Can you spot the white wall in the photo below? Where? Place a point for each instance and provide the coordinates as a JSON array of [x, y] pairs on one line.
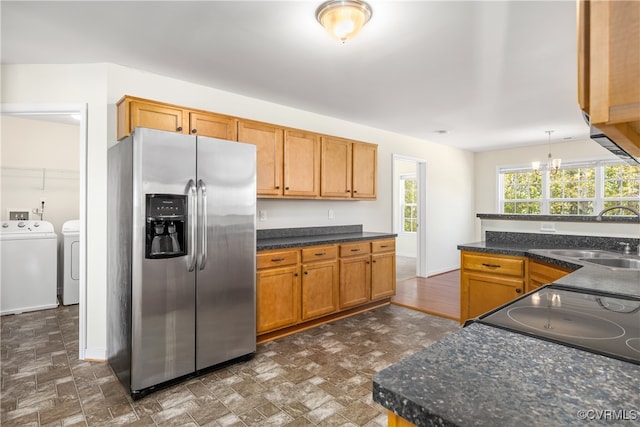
[[40, 159], [450, 171], [487, 164]]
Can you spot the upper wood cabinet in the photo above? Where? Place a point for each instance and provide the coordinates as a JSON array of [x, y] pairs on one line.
[[291, 163], [133, 112], [609, 68], [365, 170], [212, 125], [301, 164], [336, 178], [269, 142], [349, 169]]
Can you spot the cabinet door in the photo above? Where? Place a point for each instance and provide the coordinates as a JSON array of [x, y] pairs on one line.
[[365, 170], [269, 151], [277, 298], [608, 59], [540, 274], [301, 164], [480, 294], [355, 280], [319, 289], [212, 125], [157, 116], [383, 275], [335, 173]]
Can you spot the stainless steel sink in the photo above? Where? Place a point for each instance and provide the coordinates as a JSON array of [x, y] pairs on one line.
[[626, 263], [579, 253]]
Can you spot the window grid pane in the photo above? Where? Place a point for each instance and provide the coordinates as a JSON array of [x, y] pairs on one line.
[[574, 190]]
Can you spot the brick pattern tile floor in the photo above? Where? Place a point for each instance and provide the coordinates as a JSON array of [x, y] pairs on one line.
[[320, 377]]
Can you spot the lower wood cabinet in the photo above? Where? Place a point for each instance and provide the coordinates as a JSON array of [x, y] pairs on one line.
[[277, 290], [383, 268], [488, 281], [355, 274], [485, 293], [319, 281], [297, 288], [541, 273]]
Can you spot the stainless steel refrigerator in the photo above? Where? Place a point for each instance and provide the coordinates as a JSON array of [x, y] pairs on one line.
[[181, 256]]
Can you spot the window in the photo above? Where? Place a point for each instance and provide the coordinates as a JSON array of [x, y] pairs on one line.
[[408, 203], [576, 189]]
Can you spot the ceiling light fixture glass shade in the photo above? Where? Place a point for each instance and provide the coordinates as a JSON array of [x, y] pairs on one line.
[[553, 165], [343, 19]]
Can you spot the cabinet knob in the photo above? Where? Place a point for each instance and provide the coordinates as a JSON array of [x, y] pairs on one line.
[[286, 188], [373, 260], [518, 290], [179, 129], [355, 191], [295, 274], [277, 187], [348, 191], [306, 272], [194, 130]]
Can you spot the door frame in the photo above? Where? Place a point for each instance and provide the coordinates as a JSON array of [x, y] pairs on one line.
[[81, 110], [421, 176]]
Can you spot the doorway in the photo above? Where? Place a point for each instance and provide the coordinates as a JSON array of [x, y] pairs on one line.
[[61, 113], [409, 185]]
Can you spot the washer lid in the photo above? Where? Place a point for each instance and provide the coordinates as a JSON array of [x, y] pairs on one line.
[[26, 228], [71, 226]]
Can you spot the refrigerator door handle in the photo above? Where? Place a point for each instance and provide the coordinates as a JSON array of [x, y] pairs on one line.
[[193, 208], [202, 212]]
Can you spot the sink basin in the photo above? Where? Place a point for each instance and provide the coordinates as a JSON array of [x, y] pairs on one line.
[[578, 253], [628, 263]]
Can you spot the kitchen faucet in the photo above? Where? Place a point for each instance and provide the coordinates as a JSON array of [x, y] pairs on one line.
[[603, 211]]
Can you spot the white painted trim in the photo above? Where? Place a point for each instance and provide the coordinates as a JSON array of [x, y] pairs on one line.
[[81, 109], [421, 175]]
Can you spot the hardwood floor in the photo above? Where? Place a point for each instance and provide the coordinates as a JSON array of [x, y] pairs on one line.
[[438, 295]]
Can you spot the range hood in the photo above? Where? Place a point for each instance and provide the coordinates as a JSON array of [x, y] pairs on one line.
[[606, 142]]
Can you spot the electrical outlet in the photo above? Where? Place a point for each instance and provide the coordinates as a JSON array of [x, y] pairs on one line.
[[262, 215], [330, 214]]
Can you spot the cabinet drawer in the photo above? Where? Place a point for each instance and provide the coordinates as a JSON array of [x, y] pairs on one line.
[[494, 265], [319, 253], [276, 259], [351, 249], [388, 245]]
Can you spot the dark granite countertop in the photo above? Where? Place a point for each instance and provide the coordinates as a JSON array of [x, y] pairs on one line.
[[585, 275], [310, 236], [623, 219], [483, 375]]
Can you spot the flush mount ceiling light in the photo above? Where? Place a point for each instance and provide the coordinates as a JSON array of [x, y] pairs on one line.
[[343, 19]]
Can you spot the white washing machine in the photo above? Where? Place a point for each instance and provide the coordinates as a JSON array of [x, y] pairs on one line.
[[69, 263], [29, 266]]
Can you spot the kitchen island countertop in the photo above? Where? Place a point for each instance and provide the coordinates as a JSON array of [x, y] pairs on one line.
[[483, 375]]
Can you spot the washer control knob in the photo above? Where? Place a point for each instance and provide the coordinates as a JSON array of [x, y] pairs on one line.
[[36, 224], [5, 225], [21, 224]]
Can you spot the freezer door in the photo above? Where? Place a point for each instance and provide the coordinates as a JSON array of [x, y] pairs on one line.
[[226, 322], [163, 289]]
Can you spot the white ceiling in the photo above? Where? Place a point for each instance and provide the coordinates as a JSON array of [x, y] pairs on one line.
[[494, 74]]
